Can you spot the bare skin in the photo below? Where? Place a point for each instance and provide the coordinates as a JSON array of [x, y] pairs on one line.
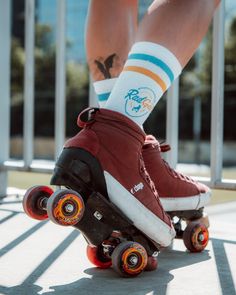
[[111, 30], [177, 25]]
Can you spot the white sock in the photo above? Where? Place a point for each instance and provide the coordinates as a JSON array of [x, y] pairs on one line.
[[103, 90], [148, 73]]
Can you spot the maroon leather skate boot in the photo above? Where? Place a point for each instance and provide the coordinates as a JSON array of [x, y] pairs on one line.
[[112, 145], [177, 192]]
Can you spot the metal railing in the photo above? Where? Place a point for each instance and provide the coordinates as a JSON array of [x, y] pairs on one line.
[[29, 164], [5, 33]]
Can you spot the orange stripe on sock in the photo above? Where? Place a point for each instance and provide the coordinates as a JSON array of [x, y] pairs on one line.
[[148, 73]]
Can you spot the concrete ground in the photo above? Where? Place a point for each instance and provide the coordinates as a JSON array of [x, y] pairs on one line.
[[43, 258]]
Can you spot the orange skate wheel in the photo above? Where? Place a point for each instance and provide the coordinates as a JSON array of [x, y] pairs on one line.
[[196, 236], [65, 207], [129, 259], [97, 257], [152, 263], [35, 201]]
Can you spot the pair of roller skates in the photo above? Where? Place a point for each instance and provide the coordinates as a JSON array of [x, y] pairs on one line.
[[110, 198]]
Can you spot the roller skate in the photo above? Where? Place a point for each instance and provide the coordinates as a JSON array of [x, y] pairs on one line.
[[182, 197], [109, 195]]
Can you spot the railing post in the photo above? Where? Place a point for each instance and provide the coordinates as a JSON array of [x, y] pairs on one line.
[[172, 124], [217, 104], [5, 48], [60, 111], [29, 82], [197, 128]]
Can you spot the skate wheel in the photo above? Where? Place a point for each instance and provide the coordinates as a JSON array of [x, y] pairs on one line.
[[196, 236], [35, 200], [65, 207], [129, 259], [152, 263], [96, 256]]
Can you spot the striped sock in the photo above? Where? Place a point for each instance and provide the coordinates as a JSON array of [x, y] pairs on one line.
[[103, 89], [148, 73]]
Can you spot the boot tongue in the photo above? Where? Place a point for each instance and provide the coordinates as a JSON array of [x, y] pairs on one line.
[[112, 118]]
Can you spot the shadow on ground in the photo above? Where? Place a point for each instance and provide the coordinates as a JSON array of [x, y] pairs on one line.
[[107, 281]]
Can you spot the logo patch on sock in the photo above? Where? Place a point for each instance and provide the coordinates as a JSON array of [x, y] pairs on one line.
[[139, 101]]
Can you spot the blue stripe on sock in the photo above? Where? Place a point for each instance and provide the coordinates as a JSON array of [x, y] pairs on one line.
[[103, 96], [158, 62]]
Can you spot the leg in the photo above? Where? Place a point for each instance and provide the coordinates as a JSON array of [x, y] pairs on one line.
[[166, 39], [177, 25], [111, 28]]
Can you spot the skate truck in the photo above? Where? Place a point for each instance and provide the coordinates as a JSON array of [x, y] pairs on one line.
[[113, 240]]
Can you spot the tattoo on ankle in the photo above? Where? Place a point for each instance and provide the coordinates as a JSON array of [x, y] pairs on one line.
[[104, 67]]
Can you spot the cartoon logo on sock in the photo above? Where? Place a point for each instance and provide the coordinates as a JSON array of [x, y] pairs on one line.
[[139, 101]]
